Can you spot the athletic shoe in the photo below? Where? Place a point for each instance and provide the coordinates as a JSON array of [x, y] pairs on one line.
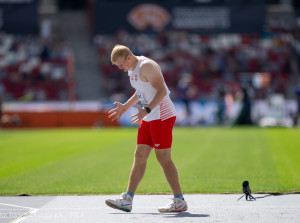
[[123, 204], [178, 205]]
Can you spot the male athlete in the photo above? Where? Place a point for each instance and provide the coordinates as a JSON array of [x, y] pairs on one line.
[[156, 117]]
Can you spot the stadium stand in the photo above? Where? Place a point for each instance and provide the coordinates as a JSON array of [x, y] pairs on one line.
[[33, 68], [214, 61]]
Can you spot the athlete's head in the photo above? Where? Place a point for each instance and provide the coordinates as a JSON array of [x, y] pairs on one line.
[[122, 57]]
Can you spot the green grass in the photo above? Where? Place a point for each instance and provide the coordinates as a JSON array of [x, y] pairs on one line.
[[98, 161]]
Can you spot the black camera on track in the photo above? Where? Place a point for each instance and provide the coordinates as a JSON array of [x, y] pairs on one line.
[[247, 191]]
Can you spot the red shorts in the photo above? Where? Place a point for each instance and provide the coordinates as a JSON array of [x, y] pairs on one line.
[[156, 133]]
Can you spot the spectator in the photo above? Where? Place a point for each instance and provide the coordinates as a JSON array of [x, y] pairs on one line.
[[186, 92], [221, 107], [244, 116]]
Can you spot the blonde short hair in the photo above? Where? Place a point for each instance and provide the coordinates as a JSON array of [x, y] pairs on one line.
[[119, 51]]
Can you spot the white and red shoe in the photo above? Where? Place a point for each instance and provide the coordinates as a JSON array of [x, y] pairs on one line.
[[178, 205]]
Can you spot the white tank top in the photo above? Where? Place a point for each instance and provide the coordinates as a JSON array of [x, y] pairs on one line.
[[146, 93]]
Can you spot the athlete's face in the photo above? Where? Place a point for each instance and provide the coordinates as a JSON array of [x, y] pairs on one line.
[[122, 64]]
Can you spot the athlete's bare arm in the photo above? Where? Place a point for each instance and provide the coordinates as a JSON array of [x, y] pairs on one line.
[[132, 101], [150, 72], [116, 113]]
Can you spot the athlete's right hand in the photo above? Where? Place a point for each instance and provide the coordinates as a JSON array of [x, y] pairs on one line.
[[116, 113]]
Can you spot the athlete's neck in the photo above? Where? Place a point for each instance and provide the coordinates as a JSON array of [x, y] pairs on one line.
[[135, 61]]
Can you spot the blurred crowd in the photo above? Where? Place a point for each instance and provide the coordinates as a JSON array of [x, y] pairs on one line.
[[201, 66], [194, 66], [33, 68]]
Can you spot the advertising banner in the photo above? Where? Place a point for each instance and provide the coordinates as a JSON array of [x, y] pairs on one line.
[[192, 17]]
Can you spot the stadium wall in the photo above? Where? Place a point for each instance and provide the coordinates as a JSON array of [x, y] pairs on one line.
[[56, 114], [93, 113], [60, 119]]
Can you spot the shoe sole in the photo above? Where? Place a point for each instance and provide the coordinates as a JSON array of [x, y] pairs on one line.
[[116, 207]]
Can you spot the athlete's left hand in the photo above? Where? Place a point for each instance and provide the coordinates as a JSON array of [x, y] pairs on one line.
[[135, 119]]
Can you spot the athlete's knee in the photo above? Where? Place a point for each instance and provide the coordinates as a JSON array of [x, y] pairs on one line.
[[140, 155], [163, 160]]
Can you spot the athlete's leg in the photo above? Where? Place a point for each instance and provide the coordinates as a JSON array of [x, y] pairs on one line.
[[143, 149], [141, 155], [179, 204], [164, 158]]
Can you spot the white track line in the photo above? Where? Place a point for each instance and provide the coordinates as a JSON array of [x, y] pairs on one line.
[[23, 216]]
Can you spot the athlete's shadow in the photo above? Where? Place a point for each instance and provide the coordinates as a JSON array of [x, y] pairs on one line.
[[185, 215], [171, 215]]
